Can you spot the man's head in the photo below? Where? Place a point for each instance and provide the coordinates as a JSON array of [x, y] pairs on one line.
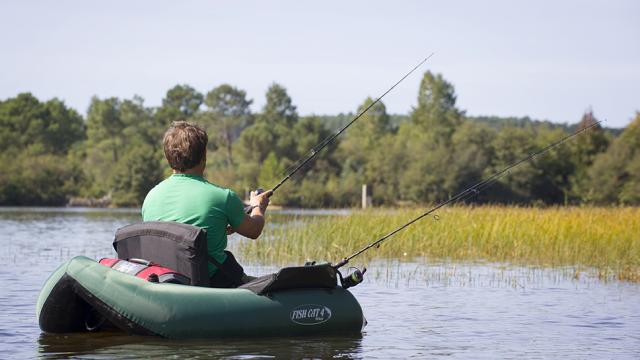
[[185, 145]]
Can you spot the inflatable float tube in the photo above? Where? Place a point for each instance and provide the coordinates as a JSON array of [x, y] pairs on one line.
[[82, 290]]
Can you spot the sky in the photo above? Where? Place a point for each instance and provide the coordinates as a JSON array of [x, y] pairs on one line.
[[549, 60]]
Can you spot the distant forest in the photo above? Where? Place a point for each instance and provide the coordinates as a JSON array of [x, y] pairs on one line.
[[112, 156]]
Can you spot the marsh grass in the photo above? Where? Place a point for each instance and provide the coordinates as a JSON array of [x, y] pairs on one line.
[[604, 239]]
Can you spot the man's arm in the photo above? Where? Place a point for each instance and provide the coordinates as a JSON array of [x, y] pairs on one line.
[[253, 223]]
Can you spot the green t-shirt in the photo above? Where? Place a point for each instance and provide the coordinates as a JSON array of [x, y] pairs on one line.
[[191, 199]]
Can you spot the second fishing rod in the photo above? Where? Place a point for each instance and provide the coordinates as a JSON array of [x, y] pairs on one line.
[[469, 192]]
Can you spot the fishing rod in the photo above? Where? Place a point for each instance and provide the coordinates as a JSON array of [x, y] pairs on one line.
[[466, 193], [323, 144]]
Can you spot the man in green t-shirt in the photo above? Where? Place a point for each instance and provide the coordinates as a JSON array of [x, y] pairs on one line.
[[188, 198]]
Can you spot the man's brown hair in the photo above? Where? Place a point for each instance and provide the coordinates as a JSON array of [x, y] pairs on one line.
[[184, 145]]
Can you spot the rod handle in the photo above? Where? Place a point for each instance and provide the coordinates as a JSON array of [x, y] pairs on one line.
[[248, 208], [341, 263]]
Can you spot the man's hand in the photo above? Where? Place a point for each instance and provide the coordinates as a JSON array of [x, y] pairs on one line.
[[260, 200], [253, 222]]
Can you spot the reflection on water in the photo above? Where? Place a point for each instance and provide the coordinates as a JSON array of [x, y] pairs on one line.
[[419, 308], [117, 345]]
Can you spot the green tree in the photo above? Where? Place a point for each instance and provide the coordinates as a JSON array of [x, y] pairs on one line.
[[427, 165], [360, 153], [309, 133], [28, 125], [426, 142], [545, 179], [35, 138], [44, 179], [134, 175], [363, 137], [227, 115], [253, 147], [614, 176], [105, 127], [552, 185], [271, 132], [630, 193], [183, 98], [436, 112], [181, 102], [584, 150], [472, 155], [279, 108], [116, 129], [280, 115], [510, 145], [140, 126], [270, 171], [591, 143], [384, 169]]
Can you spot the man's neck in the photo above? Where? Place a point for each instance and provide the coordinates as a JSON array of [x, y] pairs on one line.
[[195, 172]]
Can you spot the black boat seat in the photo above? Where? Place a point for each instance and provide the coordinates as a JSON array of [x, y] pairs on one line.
[[180, 247]]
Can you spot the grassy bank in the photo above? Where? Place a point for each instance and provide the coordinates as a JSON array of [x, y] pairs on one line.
[[607, 239]]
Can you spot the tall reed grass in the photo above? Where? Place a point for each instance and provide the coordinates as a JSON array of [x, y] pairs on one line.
[[605, 239]]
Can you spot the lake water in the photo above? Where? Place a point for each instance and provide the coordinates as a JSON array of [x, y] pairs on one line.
[[416, 309]]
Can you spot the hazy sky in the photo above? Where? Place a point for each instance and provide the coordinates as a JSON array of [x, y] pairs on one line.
[[545, 59]]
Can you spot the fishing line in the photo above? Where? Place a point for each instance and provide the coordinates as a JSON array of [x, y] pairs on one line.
[[470, 191]]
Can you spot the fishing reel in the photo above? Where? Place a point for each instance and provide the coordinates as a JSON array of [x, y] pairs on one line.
[[354, 278]]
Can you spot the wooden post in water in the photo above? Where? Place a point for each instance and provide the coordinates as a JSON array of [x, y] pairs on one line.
[[366, 199]]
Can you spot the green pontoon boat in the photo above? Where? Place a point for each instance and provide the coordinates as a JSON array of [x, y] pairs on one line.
[[85, 295]]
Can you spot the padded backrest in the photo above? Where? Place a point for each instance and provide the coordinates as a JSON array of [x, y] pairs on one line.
[[180, 247]]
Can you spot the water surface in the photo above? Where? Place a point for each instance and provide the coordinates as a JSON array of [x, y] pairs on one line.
[[419, 308]]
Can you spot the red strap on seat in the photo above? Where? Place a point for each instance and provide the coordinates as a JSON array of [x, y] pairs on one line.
[[108, 261], [152, 269]]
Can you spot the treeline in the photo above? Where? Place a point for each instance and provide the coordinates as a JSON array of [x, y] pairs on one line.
[[50, 154]]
